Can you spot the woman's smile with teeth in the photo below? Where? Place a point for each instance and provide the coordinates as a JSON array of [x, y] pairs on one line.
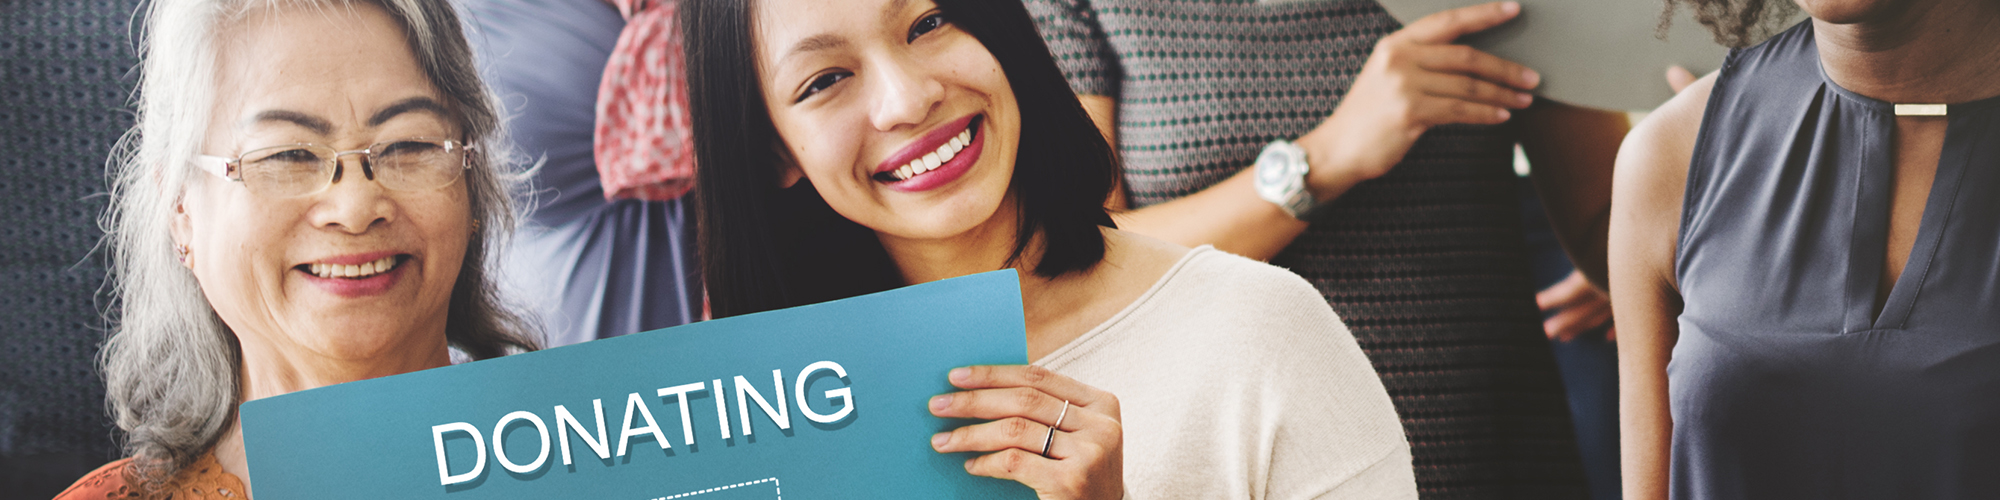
[[362, 270], [930, 161]]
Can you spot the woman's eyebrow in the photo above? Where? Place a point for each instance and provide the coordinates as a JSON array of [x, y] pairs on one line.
[[405, 106], [815, 43], [323, 127], [825, 41], [316, 124], [890, 10]]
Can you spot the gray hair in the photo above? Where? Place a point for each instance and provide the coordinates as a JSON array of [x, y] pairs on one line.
[[170, 364]]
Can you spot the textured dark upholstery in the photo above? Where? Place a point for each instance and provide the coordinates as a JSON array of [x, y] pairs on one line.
[[66, 73]]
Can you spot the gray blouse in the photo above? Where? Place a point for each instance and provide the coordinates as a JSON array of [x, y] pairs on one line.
[[1786, 382]]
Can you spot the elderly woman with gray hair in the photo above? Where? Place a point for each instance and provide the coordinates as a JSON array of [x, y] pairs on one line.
[[306, 201]]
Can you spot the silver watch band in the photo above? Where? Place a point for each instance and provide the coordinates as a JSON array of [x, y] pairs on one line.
[[1301, 204]]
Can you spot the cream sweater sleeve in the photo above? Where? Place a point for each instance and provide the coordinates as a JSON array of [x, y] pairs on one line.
[[1238, 382]]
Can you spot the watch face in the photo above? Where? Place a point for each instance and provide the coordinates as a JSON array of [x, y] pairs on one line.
[[1277, 181], [1272, 167], [1281, 177]]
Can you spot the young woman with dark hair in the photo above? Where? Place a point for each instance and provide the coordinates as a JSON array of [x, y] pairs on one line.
[[850, 147], [815, 254]]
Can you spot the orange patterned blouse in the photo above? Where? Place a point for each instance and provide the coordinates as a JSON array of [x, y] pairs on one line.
[[202, 480]]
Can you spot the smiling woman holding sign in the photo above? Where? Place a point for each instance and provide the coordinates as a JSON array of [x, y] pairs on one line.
[[307, 205], [851, 147]]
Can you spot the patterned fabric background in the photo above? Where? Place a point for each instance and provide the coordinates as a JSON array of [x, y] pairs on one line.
[[66, 71]]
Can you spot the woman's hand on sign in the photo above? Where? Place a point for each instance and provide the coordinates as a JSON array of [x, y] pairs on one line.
[[1085, 453], [1416, 78]]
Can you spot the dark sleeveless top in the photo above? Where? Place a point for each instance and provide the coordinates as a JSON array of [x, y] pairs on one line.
[[1785, 382]]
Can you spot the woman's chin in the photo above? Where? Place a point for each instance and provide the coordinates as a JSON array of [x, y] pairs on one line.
[[363, 347], [361, 335], [945, 219]]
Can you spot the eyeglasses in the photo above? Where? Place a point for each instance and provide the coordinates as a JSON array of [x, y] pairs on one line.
[[415, 164]]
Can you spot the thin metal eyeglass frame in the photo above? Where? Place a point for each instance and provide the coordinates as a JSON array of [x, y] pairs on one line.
[[231, 168]]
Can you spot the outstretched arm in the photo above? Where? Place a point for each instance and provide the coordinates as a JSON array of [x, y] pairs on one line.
[[1416, 79]]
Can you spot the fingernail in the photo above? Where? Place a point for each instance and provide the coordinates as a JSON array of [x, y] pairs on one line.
[[1503, 115], [1531, 78], [1511, 7], [1524, 98], [938, 440], [940, 402], [960, 374]]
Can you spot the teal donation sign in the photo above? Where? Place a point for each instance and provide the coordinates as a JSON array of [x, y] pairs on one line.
[[824, 401]]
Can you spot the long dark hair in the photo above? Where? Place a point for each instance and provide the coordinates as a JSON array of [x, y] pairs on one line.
[[766, 248]]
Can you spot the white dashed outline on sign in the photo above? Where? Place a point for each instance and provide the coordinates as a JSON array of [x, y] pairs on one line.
[[778, 488]]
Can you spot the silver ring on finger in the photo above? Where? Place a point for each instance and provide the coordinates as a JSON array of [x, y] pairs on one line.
[[1059, 416], [1051, 439]]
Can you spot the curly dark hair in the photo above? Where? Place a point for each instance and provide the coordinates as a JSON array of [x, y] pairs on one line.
[[1735, 23]]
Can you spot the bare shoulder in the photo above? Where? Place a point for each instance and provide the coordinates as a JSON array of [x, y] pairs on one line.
[[1146, 259], [1138, 257], [1651, 180], [1225, 281], [1666, 137]]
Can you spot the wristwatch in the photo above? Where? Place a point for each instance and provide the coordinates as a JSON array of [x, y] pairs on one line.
[[1281, 178]]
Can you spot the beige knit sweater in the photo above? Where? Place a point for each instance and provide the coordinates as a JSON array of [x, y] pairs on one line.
[[1236, 381]]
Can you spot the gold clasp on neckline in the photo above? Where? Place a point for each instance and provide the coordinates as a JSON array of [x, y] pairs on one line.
[[1920, 110]]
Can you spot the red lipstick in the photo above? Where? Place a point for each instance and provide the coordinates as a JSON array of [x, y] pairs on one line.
[[946, 171]]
